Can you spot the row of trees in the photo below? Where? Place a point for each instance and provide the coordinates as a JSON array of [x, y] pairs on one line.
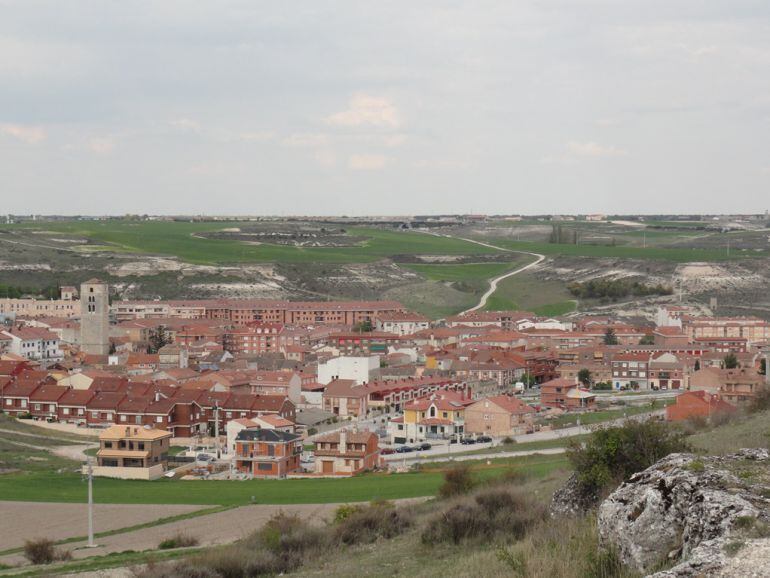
[[607, 288], [15, 291]]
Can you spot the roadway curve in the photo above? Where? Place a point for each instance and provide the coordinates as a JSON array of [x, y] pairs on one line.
[[493, 282]]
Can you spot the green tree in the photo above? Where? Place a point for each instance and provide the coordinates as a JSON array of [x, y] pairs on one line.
[[730, 361], [584, 376], [647, 340], [696, 367], [363, 327], [609, 337], [158, 338], [612, 454]]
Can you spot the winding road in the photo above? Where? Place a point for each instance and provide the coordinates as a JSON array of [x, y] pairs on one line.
[[493, 282]]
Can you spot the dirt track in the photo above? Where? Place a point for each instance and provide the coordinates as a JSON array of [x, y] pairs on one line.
[[211, 529], [60, 521]]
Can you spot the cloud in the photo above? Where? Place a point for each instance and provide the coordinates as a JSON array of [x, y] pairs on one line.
[[367, 162], [595, 150], [305, 140], [27, 134], [186, 124], [260, 136], [366, 110], [101, 145]]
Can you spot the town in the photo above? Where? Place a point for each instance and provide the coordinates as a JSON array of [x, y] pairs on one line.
[[278, 389]]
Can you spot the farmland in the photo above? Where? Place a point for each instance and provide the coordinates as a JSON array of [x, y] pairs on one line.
[[51, 486], [181, 240], [434, 274]]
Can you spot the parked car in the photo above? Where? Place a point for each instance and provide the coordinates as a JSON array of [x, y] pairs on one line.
[[404, 450], [467, 441], [387, 451], [425, 446], [483, 439]]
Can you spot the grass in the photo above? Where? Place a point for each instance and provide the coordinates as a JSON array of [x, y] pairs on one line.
[[96, 563], [462, 272], [528, 293], [526, 446], [178, 239], [600, 416], [135, 527], [752, 431], [54, 436], [38, 486], [678, 255]]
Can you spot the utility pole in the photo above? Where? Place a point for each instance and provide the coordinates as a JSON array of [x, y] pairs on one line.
[[90, 504], [216, 427]]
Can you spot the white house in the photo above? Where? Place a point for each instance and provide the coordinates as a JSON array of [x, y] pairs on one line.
[[34, 343], [358, 369], [401, 323]]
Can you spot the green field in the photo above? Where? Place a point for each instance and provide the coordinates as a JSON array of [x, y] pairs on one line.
[[178, 239], [678, 255], [528, 293], [65, 486], [462, 272]]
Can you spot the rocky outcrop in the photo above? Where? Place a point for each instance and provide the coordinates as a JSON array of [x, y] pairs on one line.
[[690, 513], [571, 499]]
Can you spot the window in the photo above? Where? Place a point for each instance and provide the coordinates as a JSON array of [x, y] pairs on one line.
[[65, 410], [123, 418], [159, 419], [265, 467], [37, 407]]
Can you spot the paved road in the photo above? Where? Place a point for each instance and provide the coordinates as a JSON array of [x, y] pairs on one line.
[[493, 282]]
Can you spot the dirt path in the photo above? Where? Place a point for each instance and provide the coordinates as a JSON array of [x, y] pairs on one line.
[[61, 521], [492, 282], [73, 452], [212, 529]]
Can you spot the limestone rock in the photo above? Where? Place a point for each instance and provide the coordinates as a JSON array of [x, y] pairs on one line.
[[688, 511]]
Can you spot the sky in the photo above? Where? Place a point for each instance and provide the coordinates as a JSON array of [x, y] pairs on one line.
[[400, 107]]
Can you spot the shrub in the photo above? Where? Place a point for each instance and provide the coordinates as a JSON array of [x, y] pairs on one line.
[[179, 540], [761, 401], [492, 513], [312, 431], [44, 551], [602, 386], [457, 481], [344, 511], [612, 454], [369, 524], [508, 441]]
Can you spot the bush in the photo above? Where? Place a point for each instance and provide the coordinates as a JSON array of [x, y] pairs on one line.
[[369, 524], [496, 512], [761, 401], [44, 551], [281, 546], [612, 454], [179, 540], [457, 481], [508, 441], [344, 511], [603, 386], [312, 431]]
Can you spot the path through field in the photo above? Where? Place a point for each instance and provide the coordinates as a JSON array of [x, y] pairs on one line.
[[493, 282]]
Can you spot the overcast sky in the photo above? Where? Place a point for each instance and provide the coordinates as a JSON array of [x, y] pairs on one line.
[[396, 107]]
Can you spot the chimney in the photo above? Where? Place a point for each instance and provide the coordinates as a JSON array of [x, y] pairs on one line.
[[343, 441]]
